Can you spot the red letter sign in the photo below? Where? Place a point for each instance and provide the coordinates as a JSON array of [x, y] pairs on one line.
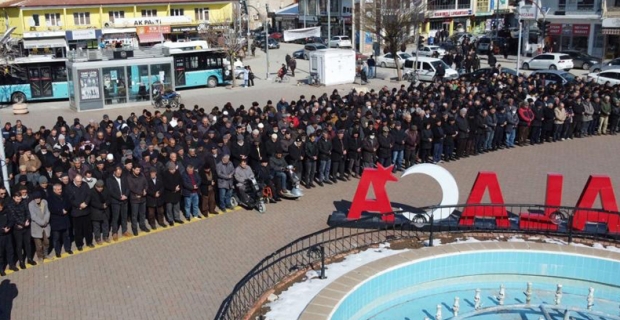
[[541, 220], [381, 204], [484, 181], [597, 185]]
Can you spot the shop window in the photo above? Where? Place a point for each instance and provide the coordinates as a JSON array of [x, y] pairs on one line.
[[116, 15], [202, 14], [139, 83], [149, 13], [52, 19], [35, 20], [177, 12], [436, 25], [114, 85], [81, 18], [482, 6], [617, 3]]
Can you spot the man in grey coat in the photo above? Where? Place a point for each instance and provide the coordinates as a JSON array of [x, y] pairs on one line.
[[225, 172], [40, 227], [243, 173]]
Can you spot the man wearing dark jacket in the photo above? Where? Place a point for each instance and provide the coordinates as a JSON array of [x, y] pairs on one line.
[[386, 142], [136, 182], [325, 160], [119, 201], [100, 214], [191, 192], [172, 194], [398, 148], [19, 217], [78, 195], [463, 133], [155, 199], [354, 150], [339, 152], [6, 242], [59, 220]]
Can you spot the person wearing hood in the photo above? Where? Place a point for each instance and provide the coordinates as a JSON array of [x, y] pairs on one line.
[[370, 145], [40, 227]]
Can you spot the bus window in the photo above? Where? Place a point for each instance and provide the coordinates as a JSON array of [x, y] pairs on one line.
[[59, 73]]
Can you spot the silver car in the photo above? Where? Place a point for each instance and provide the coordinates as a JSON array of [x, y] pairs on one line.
[[614, 63]]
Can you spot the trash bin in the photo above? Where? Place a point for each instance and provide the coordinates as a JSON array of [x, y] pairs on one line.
[[431, 40]]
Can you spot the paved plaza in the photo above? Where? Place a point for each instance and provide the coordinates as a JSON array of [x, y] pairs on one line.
[[186, 271]]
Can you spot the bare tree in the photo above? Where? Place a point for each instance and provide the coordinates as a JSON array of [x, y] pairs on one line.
[[395, 23], [232, 43]]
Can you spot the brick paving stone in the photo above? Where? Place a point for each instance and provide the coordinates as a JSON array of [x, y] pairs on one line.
[[185, 272]]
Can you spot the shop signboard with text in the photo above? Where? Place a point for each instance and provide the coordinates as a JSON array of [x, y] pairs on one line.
[[153, 29], [582, 30], [450, 13], [555, 29], [151, 21]]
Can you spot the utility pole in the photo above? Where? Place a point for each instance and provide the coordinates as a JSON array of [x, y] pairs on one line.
[[305, 11], [519, 48], [329, 22], [352, 25], [266, 27], [361, 33]]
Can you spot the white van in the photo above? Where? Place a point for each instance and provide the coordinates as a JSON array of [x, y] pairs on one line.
[[426, 67]]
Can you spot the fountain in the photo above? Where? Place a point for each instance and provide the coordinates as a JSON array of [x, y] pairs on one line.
[[558, 295], [456, 306]]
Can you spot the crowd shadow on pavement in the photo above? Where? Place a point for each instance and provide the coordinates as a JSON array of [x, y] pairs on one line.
[[8, 293]]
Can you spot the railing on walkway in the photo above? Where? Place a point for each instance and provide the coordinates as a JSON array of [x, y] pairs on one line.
[[560, 222]]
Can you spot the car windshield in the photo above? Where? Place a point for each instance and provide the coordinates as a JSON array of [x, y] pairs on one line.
[[433, 47], [568, 76], [344, 38]]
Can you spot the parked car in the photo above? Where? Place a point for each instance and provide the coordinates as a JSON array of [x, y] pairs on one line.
[[340, 42], [273, 44], [387, 60], [310, 40], [556, 76], [276, 35], [447, 45], [484, 44], [485, 72], [425, 67], [551, 61], [312, 47], [430, 50], [299, 54], [581, 60], [460, 36], [607, 77], [611, 64]]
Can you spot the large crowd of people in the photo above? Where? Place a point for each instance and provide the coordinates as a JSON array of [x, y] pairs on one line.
[[88, 183]]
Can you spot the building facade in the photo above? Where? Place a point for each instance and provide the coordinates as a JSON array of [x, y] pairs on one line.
[[47, 25], [611, 29]]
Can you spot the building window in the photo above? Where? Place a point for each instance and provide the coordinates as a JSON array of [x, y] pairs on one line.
[[482, 6], [464, 4], [81, 18], [149, 13], [35, 21], [202, 14], [52, 19], [177, 12], [116, 15], [441, 5]]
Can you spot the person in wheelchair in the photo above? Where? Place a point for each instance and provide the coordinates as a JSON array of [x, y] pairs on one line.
[[243, 173], [278, 167], [265, 179]]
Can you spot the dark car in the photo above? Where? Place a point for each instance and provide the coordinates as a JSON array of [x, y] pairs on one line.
[[555, 76], [299, 54], [581, 60], [273, 44], [447, 45], [309, 40], [485, 72]]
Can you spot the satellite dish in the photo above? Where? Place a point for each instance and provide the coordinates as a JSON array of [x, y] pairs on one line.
[[6, 36]]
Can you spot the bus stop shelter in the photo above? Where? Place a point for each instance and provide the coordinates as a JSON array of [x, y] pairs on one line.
[[118, 82]]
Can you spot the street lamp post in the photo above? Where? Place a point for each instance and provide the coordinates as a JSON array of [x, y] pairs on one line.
[[519, 48], [266, 27], [329, 21]]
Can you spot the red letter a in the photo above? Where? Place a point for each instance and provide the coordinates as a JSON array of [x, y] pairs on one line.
[[484, 181], [597, 185], [381, 204]]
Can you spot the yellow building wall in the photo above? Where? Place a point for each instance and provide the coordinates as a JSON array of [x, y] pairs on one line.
[[21, 18]]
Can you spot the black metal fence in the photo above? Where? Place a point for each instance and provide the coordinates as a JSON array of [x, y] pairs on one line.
[[418, 223]]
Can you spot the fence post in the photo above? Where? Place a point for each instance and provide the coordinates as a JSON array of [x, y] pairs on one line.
[[570, 227], [323, 263], [430, 235]]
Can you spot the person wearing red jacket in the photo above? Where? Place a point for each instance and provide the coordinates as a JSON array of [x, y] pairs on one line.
[[526, 116]]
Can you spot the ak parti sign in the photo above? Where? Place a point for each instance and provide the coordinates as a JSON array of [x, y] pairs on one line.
[[596, 186]]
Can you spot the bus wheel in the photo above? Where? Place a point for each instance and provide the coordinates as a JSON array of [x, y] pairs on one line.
[[212, 82], [18, 97]]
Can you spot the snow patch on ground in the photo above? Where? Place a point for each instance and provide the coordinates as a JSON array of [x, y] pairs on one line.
[[292, 302]]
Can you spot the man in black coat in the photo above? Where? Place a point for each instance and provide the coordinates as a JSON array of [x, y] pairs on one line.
[[100, 212], [324, 146], [462, 125], [339, 152], [547, 126], [79, 197], [20, 219], [119, 201], [398, 148], [155, 199], [173, 183], [354, 150], [59, 220], [386, 142], [6, 242], [295, 156], [311, 152], [137, 199]]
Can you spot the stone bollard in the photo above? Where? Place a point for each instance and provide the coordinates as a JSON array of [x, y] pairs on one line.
[[20, 108]]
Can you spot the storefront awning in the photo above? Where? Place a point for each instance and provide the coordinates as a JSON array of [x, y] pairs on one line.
[[611, 31], [45, 43], [150, 37]]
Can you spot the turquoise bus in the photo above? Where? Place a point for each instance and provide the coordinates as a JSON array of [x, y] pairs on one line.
[[198, 68], [33, 79]]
